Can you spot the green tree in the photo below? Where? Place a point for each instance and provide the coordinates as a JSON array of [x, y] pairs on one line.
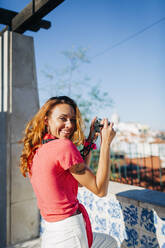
[[70, 81]]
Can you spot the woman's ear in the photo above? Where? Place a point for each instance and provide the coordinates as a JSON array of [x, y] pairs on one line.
[[47, 128], [46, 124], [46, 120]]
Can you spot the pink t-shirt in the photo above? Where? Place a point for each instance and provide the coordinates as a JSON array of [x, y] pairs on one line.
[[55, 187]]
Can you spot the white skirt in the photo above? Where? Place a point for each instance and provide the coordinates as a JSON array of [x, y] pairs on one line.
[[67, 233], [71, 233]]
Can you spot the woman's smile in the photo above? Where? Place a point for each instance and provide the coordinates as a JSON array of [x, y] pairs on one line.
[[65, 132], [62, 121]]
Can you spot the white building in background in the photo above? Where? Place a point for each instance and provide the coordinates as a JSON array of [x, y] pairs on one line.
[[137, 140], [115, 119]]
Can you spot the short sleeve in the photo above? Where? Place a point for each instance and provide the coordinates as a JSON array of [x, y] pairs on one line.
[[68, 154]]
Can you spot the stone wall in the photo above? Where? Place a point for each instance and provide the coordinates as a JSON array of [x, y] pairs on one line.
[[19, 217]]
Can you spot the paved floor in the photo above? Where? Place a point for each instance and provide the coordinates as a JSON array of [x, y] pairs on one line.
[[35, 243], [100, 240]]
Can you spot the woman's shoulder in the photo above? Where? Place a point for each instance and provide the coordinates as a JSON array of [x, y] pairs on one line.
[[57, 146], [60, 148], [63, 142]]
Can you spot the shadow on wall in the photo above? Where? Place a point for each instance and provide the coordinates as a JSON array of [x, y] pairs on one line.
[[143, 218], [3, 176]]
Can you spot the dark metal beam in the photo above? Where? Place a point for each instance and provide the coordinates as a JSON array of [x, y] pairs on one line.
[[33, 12], [6, 17]]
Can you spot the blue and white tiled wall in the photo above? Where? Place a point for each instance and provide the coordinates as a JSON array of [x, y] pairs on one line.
[[132, 224]]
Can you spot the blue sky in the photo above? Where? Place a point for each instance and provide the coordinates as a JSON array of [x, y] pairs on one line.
[[132, 72]]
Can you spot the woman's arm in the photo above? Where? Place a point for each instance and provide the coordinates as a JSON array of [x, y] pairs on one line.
[[90, 138], [87, 159], [97, 184], [87, 162]]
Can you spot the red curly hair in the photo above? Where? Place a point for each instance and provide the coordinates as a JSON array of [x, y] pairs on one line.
[[36, 129]]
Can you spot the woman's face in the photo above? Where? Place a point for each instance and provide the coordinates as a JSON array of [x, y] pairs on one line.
[[62, 121]]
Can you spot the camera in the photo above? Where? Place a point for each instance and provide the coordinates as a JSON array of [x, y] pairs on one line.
[[97, 125]]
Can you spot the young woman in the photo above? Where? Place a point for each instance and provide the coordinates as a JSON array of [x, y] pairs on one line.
[[56, 168]]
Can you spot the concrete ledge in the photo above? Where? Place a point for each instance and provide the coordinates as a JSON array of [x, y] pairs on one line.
[[137, 193]]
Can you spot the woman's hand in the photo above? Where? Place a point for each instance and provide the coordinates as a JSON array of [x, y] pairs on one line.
[[107, 132]]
